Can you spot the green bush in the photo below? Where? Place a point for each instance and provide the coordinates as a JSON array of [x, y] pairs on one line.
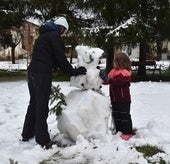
[[57, 100]]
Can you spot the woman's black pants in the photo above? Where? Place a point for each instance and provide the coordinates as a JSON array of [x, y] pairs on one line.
[[35, 124]]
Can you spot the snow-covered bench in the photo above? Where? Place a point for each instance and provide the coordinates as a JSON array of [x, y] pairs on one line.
[[151, 65]]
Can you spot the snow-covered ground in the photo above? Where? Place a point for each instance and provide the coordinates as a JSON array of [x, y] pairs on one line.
[[150, 115]]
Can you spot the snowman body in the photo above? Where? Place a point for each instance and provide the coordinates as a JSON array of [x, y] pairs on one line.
[[87, 111]]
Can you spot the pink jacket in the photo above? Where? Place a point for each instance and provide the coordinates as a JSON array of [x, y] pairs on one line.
[[119, 85]]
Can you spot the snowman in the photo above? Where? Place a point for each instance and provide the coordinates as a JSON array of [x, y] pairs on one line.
[[87, 110]]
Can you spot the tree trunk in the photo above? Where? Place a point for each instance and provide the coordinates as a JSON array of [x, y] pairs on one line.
[[109, 57], [142, 58], [159, 49], [71, 54], [13, 54], [143, 43]]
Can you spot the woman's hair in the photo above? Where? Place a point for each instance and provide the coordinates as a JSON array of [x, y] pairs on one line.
[[62, 29], [122, 61]]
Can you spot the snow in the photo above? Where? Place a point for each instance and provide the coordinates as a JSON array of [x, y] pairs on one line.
[[34, 21], [19, 65], [150, 115], [131, 20], [89, 58], [88, 118]]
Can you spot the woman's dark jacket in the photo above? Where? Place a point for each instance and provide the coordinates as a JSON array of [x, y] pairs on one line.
[[49, 52]]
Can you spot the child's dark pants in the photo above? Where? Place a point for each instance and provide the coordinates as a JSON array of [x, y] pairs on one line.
[[122, 117]]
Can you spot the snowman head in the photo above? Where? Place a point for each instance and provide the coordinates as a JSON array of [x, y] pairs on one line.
[[89, 58]]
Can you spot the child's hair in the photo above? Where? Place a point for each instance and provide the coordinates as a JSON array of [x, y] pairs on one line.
[[122, 61]]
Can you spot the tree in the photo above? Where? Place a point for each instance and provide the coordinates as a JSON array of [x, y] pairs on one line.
[[96, 21], [151, 19], [48, 10], [110, 14], [11, 39], [13, 15]]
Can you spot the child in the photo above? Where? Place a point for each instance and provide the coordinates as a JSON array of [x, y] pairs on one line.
[[119, 79]]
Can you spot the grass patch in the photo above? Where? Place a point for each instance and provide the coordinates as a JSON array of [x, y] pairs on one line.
[[22, 75], [12, 75], [59, 75], [4, 73], [11, 161], [149, 151], [165, 76]]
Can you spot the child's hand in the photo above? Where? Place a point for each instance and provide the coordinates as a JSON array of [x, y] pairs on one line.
[[104, 76]]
